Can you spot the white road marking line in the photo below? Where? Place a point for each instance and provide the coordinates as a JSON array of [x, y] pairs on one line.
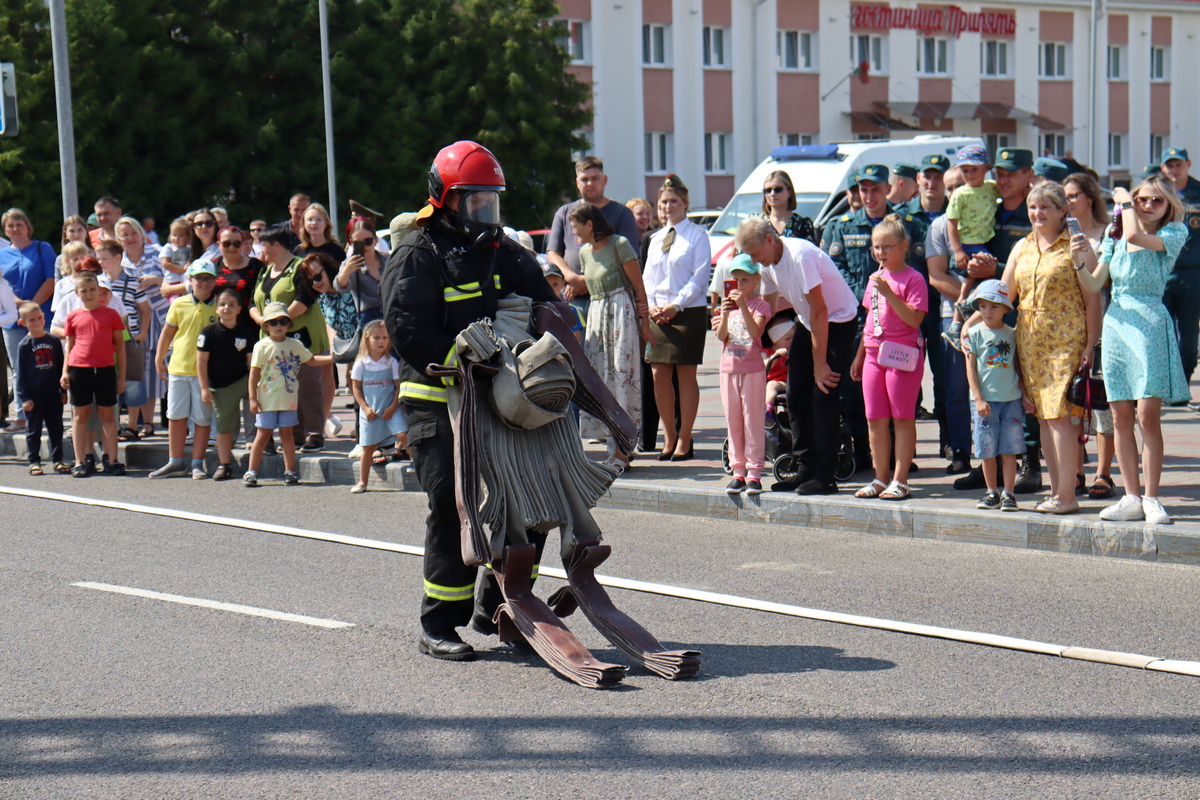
[[236, 608], [970, 637]]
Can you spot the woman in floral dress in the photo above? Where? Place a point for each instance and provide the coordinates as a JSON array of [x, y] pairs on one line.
[[1142, 367], [1053, 335]]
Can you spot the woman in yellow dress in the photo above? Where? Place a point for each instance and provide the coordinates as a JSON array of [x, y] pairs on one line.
[[1054, 335]]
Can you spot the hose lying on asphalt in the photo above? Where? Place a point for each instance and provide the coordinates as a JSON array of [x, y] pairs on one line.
[[1113, 657]]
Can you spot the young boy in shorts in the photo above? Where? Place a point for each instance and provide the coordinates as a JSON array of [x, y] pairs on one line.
[[187, 317], [998, 414], [274, 374], [95, 345], [223, 367], [40, 366]]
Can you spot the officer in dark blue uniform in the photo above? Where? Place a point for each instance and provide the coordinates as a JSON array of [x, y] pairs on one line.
[[1182, 297], [847, 240]]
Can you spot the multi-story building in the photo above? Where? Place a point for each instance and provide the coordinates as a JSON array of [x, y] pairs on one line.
[[706, 88]]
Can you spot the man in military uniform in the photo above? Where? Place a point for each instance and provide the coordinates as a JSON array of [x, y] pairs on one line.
[[1182, 297], [847, 240], [1049, 169], [1013, 169], [449, 273], [904, 184], [928, 205]]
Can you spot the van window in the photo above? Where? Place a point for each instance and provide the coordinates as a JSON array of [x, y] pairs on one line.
[[747, 204]]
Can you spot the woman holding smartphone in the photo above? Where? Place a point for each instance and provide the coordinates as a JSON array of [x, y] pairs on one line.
[[362, 270]]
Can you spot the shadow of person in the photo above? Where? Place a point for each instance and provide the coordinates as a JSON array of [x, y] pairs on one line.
[[740, 660]]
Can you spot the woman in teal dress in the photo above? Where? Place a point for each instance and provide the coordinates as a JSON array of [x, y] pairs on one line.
[[1142, 367]]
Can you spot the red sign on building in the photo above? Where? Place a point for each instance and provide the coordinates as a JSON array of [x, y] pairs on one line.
[[946, 19]]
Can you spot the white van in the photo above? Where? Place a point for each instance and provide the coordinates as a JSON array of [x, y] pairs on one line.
[[819, 172]]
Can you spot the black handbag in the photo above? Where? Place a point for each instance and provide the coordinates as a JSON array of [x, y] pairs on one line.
[[1087, 392]]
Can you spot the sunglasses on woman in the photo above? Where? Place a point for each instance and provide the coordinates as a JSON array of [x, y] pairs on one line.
[[208, 223], [1153, 202], [231, 244], [774, 190]]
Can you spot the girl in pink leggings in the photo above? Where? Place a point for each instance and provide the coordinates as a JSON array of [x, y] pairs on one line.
[[743, 374], [891, 358]]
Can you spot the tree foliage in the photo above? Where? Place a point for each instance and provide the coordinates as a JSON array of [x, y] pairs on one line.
[[179, 105]]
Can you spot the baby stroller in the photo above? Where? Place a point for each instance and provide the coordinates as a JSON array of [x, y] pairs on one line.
[[778, 450]]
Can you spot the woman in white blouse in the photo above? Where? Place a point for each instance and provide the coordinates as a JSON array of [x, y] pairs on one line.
[[677, 270]]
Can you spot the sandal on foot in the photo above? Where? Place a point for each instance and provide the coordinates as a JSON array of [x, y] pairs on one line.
[[36, 469], [1102, 491], [380, 458], [147, 430], [127, 435], [874, 489], [895, 491], [61, 469]]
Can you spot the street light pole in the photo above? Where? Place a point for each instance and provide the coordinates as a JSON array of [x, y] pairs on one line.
[[62, 98], [328, 93]]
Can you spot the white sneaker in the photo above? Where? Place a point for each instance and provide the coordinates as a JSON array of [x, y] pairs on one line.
[[333, 426], [1126, 509], [356, 452], [1155, 514]]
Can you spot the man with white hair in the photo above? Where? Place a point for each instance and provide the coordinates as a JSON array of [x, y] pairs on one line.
[[821, 351]]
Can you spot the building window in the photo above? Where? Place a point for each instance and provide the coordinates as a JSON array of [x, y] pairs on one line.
[[993, 58], [871, 137], [1156, 148], [575, 42], [871, 49], [715, 148], [588, 148], [716, 46], [1116, 62], [795, 50], [996, 141], [793, 139], [1116, 150], [1052, 60], [933, 56], [1159, 65], [1052, 144], [660, 156], [656, 45]]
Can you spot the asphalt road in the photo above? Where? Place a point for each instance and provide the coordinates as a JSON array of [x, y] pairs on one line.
[[110, 696]]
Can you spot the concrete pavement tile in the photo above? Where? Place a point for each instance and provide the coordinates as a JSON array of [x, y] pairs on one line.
[[890, 518], [1177, 546], [973, 527]]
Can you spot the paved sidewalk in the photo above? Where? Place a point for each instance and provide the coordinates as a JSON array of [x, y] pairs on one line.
[[936, 510]]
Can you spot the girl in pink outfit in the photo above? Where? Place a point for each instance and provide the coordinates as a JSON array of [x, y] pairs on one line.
[[743, 375], [891, 358]]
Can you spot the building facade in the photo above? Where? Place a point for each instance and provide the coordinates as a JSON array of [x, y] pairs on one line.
[[706, 88]]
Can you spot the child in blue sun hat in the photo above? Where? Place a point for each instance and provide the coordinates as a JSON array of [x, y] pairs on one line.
[[970, 224]]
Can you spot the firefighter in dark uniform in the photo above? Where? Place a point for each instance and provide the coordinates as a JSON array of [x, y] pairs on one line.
[[449, 273], [1182, 296], [848, 242]]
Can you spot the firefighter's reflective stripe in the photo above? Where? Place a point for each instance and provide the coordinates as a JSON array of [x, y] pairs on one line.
[[465, 292], [536, 567], [496, 281], [450, 593], [411, 390], [451, 360]]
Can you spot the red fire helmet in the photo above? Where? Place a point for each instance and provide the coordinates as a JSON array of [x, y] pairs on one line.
[[464, 165]]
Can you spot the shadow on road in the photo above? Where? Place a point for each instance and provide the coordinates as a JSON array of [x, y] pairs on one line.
[[327, 738]]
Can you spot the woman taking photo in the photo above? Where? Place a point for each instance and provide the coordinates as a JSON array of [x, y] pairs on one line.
[[779, 206], [1053, 335], [361, 272], [677, 267], [1142, 367], [282, 281], [618, 317], [1086, 204], [28, 267]]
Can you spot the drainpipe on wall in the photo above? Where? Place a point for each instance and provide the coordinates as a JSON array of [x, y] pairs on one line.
[[1092, 93], [756, 90]]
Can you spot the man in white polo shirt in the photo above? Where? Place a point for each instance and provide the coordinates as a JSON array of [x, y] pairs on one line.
[[822, 349]]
